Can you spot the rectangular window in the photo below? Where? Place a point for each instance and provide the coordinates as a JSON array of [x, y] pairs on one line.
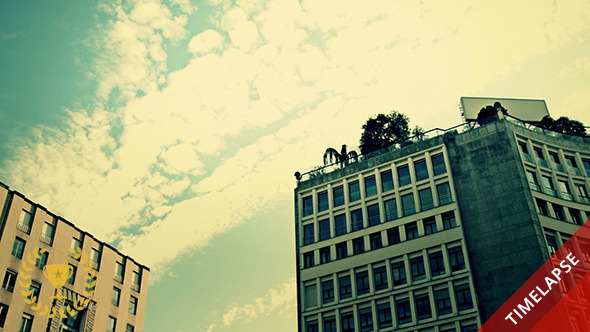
[[324, 226], [327, 291], [533, 183], [362, 283], [340, 225], [76, 245], [384, 316], [9, 280], [437, 264], [312, 326], [136, 282], [322, 201], [411, 230], [311, 299], [358, 246], [463, 294], [330, 324], [426, 202], [42, 260], [370, 186], [34, 289], [347, 322], [119, 271], [417, 267], [542, 206], [429, 225], [586, 163], [582, 193], [549, 189], [307, 206], [25, 221], [404, 313], [564, 189], [523, 148], [551, 243], [366, 319], [356, 217], [456, 258], [423, 306], [129, 328], [354, 192], [376, 242], [390, 209], [3, 313], [345, 287], [72, 277], [341, 250], [571, 162], [443, 302], [115, 296], [393, 236], [403, 175], [408, 204], [386, 181], [338, 198], [26, 323], [380, 276], [558, 210], [421, 170], [443, 191], [18, 248], [438, 165], [449, 220], [111, 324], [308, 234], [47, 233], [576, 217], [308, 260], [540, 158], [373, 214], [398, 270], [325, 255]]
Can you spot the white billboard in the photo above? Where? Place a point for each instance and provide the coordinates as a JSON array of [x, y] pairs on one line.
[[529, 110]]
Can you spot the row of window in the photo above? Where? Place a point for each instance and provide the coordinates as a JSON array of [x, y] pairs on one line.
[[580, 195], [558, 212], [394, 235], [25, 223], [370, 185], [554, 160], [406, 308], [340, 224]]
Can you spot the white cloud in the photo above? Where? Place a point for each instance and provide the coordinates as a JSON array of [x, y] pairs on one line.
[[206, 42]]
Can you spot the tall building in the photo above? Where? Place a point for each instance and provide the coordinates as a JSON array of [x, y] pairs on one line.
[[437, 235], [103, 289]]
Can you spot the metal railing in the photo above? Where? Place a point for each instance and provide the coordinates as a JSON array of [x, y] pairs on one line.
[[46, 239], [118, 278], [21, 226]]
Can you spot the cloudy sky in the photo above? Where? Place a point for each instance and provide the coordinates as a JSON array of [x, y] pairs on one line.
[[172, 129]]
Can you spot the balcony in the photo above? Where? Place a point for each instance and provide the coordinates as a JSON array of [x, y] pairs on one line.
[[135, 287], [567, 196], [21, 226], [550, 192], [46, 239]]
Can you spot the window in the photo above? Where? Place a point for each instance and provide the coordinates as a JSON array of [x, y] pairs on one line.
[[551, 243], [373, 215], [423, 306], [330, 324], [347, 322], [390, 209], [408, 205], [384, 316], [443, 302], [356, 217], [380, 276], [362, 283], [119, 271], [111, 324], [9, 280], [358, 246], [322, 201], [421, 170], [354, 191], [47, 233], [398, 270], [311, 296], [456, 258], [449, 220], [308, 260], [366, 319], [92, 282], [582, 193], [324, 226], [129, 328], [555, 163], [558, 210], [307, 206], [404, 314], [532, 178], [426, 202], [417, 267], [115, 296], [403, 175], [72, 277], [586, 163], [340, 225], [549, 189], [308, 234], [393, 236], [523, 148], [542, 206], [468, 327], [345, 287], [42, 260], [312, 326], [3, 313], [370, 186], [18, 248], [429, 225], [376, 242], [443, 191], [386, 181], [411, 230], [438, 165], [133, 305], [463, 294], [35, 289], [26, 323], [576, 217], [540, 158], [341, 250], [327, 291], [338, 194], [564, 189], [25, 221], [136, 282], [437, 264], [75, 245], [571, 162], [325, 255]]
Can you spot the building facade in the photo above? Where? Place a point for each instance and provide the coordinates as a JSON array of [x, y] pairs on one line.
[[103, 290], [436, 236]]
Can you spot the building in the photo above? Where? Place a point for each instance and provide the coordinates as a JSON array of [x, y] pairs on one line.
[[115, 300], [437, 235]]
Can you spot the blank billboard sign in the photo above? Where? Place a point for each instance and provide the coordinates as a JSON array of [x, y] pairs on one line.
[[530, 110]]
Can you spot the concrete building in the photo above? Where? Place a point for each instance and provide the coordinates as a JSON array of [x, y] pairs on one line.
[[115, 300], [436, 236]]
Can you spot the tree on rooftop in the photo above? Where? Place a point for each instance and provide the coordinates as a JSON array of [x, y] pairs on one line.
[[563, 125], [384, 130], [489, 113]]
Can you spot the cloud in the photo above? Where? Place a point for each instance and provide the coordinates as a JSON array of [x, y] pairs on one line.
[[206, 42]]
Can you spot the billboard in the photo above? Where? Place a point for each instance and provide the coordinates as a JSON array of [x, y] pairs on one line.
[[530, 110]]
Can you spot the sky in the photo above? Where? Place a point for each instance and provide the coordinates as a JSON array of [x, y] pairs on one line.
[[172, 129]]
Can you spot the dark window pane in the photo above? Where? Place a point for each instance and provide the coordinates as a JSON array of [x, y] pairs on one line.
[[356, 218], [338, 193], [390, 210], [324, 229], [386, 181], [437, 265], [404, 313], [325, 255], [376, 242], [370, 186], [362, 282], [380, 276], [423, 306], [408, 204], [340, 224], [426, 202], [373, 215], [308, 260], [345, 287], [354, 191], [417, 267], [358, 246], [444, 193], [308, 234], [421, 170], [307, 206], [438, 165], [347, 322], [393, 236], [449, 220], [463, 294], [384, 316], [322, 201], [411, 231], [429, 225], [327, 291], [398, 270], [341, 250], [456, 259], [443, 302], [403, 175]]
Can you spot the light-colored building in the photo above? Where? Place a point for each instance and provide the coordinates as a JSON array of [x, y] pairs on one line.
[[437, 235], [31, 238]]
